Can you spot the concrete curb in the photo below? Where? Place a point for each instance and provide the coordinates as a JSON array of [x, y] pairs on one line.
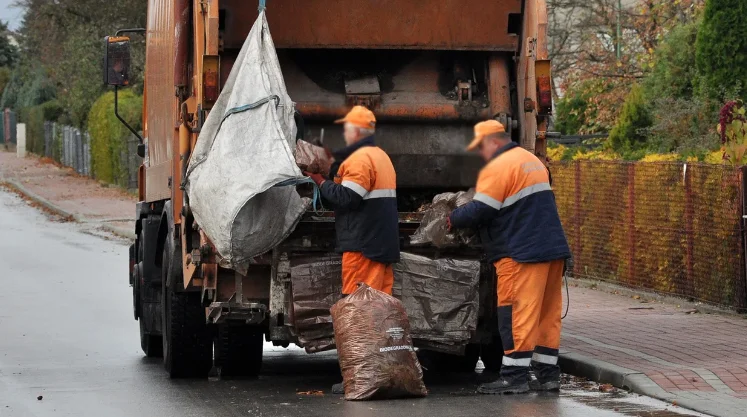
[[118, 231], [634, 381], [48, 205]]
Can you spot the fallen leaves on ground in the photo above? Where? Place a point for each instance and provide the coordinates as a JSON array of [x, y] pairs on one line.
[[606, 388], [315, 393]]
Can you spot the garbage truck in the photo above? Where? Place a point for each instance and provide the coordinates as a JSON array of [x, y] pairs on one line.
[[428, 69]]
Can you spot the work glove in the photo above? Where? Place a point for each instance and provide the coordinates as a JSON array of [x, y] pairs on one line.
[[317, 178]]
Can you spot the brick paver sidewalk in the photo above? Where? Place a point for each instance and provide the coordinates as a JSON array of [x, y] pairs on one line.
[[699, 359], [80, 196]]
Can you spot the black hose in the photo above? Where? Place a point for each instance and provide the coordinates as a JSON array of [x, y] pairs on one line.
[[567, 297], [567, 292]]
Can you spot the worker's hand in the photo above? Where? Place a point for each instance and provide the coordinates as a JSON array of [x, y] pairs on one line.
[[448, 223], [317, 178]]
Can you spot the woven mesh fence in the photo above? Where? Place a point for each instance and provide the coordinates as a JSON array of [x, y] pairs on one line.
[[669, 227]]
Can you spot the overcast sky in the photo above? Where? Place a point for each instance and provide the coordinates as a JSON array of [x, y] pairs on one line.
[[12, 15]]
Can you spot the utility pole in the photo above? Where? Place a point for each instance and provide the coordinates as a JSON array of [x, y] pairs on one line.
[[619, 30]]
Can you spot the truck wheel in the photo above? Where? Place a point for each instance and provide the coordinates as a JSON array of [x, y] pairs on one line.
[[187, 344], [152, 345], [238, 350], [136, 308]]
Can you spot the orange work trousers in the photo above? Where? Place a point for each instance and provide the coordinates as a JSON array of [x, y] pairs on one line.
[[356, 268], [530, 304]]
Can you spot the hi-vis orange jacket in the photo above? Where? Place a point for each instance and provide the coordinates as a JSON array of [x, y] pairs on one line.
[[514, 209], [364, 197]]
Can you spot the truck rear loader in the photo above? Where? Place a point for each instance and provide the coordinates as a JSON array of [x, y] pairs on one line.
[[429, 69]]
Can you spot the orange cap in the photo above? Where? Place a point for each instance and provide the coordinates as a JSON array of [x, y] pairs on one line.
[[483, 129], [359, 116]]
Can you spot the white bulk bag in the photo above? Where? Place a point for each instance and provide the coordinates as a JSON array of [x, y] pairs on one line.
[[244, 150]]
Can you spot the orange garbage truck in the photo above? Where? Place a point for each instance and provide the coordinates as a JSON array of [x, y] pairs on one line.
[[429, 69]]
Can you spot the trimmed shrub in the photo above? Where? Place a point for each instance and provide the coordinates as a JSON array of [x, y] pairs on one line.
[[659, 157], [34, 118], [109, 136], [630, 133]]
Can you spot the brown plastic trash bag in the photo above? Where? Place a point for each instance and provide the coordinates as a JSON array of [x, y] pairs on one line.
[[316, 283], [374, 347], [312, 158], [433, 228]]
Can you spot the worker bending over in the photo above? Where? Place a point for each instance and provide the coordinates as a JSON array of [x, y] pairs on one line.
[[514, 210]]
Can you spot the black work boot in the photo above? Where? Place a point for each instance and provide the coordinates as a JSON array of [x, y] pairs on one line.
[[547, 377], [513, 380], [537, 385], [338, 389]]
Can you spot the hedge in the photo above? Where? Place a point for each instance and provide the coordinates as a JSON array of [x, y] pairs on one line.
[[109, 136], [34, 118]]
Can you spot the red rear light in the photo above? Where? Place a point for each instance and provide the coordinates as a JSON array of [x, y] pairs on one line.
[[543, 75], [211, 86], [544, 95]]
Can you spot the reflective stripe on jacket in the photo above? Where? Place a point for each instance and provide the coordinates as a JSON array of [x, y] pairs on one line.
[[364, 197], [514, 209]]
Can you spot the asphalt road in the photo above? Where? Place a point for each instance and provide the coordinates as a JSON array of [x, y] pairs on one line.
[[69, 347]]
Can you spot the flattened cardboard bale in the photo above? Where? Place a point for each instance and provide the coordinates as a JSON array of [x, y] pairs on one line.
[[441, 297], [316, 286]]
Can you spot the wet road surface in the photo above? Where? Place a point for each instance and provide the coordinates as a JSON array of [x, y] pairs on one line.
[[69, 347]]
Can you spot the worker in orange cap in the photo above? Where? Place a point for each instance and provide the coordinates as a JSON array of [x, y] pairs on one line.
[[514, 210], [363, 193]]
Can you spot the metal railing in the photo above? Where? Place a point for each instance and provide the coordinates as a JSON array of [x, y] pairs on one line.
[[71, 147]]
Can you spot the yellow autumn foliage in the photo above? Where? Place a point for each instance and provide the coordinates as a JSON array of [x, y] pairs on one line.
[[596, 155], [556, 153], [661, 157], [715, 157]]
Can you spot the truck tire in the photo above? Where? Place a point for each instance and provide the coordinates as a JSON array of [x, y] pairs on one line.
[[152, 345], [136, 306], [187, 344], [238, 350]]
